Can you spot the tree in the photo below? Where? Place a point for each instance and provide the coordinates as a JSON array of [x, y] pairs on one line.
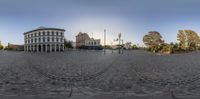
[[1, 47], [175, 47], [181, 37], [192, 39], [188, 40], [153, 40], [166, 48], [68, 44], [135, 47]]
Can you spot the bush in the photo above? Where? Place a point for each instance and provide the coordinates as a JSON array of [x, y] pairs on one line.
[[166, 49], [134, 47]]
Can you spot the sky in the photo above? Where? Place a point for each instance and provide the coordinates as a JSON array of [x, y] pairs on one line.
[[132, 18]]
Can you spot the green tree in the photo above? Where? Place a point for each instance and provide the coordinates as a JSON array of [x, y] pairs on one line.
[[175, 47], [1, 47], [135, 46], [68, 44], [153, 40]]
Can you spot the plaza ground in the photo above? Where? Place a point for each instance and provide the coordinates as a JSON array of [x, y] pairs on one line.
[[135, 74]]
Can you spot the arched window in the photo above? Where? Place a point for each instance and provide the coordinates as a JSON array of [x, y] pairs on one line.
[[43, 33]]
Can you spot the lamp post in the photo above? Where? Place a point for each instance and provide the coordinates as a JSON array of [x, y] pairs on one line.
[[104, 41], [119, 38], [112, 46]]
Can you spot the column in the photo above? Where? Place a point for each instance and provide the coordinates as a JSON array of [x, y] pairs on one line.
[[33, 48], [46, 47], [26, 47], [55, 48], [37, 48], [59, 47], [30, 48], [63, 47]]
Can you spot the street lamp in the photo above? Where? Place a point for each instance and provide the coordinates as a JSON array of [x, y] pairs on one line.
[[104, 41], [119, 39]]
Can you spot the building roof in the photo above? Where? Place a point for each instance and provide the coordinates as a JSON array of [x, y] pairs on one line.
[[44, 28], [80, 33]]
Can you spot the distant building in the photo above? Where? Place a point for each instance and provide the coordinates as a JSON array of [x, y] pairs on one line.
[[44, 39], [81, 38], [15, 47], [92, 43], [83, 41]]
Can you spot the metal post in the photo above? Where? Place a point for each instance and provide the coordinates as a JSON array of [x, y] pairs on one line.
[[112, 46], [104, 41], [122, 47], [119, 42]]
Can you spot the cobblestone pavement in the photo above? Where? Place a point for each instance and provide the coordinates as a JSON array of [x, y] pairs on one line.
[[92, 75]]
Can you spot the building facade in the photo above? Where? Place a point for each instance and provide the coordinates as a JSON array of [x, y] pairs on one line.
[[15, 47], [81, 38], [92, 43], [83, 41], [44, 39]]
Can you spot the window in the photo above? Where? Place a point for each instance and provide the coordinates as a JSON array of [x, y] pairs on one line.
[[48, 39], [57, 39], [53, 33], [57, 33], [43, 33], [39, 39], [43, 39], [39, 34], [35, 40], [52, 39], [48, 33]]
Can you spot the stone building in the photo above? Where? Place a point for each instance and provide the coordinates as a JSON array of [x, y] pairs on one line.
[[81, 38], [83, 41], [44, 39], [15, 47]]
